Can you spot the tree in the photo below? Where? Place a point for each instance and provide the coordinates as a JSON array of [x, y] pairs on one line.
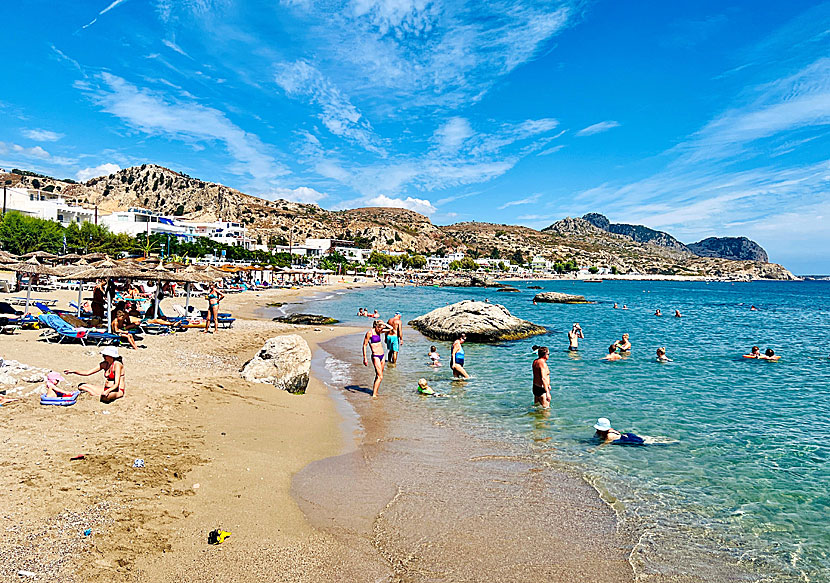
[[468, 264], [502, 266], [517, 258], [614, 270], [593, 269], [21, 234], [418, 261], [495, 254], [455, 265]]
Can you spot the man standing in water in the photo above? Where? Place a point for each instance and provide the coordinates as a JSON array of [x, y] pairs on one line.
[[394, 337], [541, 378], [574, 335]]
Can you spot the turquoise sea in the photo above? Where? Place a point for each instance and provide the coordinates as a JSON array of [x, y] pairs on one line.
[[743, 474]]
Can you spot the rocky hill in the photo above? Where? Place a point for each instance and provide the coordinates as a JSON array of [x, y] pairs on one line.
[[278, 221], [737, 248]]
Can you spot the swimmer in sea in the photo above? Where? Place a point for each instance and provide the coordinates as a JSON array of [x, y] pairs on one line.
[[623, 345], [625, 307], [769, 354], [608, 434], [661, 355], [753, 309], [615, 305], [658, 312], [754, 353], [612, 353], [541, 378], [434, 356], [677, 314], [574, 335]]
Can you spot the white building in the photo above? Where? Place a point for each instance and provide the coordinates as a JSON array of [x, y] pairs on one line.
[[435, 263], [354, 254], [138, 220], [227, 233], [539, 263], [46, 205]]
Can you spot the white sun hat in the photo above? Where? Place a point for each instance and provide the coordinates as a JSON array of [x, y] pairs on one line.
[[603, 424], [110, 351]]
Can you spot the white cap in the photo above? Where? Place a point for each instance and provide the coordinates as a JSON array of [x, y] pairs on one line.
[[110, 351], [603, 424]]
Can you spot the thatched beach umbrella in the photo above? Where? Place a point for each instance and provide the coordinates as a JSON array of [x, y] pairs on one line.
[[7, 257], [66, 270], [159, 273], [106, 269], [191, 274], [30, 267]]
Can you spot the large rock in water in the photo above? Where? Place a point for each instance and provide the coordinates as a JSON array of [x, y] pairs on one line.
[[306, 319], [284, 361], [559, 298], [482, 322]]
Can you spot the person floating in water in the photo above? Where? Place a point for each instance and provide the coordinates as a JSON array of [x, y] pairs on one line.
[[623, 345], [574, 335], [457, 357], [541, 378], [657, 312], [677, 314], [769, 354], [625, 307], [434, 357], [661, 355], [753, 309], [612, 353], [608, 434], [615, 305], [754, 353]]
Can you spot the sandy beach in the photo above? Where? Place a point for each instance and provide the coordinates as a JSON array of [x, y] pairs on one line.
[[283, 473]]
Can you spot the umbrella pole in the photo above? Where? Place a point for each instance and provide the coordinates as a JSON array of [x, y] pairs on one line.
[[109, 307], [187, 301], [156, 303], [80, 291], [28, 294]]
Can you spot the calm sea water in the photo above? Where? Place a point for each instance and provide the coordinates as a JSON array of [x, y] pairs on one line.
[[744, 474]]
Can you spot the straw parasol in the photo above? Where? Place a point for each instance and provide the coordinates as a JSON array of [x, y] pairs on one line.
[[71, 269], [7, 257], [42, 255], [159, 273], [31, 267], [106, 269], [95, 256]]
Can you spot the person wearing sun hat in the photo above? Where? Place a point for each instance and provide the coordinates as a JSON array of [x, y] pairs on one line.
[[114, 376], [53, 380], [608, 434]]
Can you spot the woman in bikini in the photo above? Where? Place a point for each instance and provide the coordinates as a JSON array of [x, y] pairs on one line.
[[214, 297], [374, 340], [113, 369]]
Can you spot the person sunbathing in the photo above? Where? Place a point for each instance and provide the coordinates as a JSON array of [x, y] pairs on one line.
[[114, 376]]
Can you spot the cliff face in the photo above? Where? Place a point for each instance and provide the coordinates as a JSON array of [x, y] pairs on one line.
[[591, 240], [736, 248]]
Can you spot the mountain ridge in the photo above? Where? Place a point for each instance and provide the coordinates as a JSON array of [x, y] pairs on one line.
[[388, 229]]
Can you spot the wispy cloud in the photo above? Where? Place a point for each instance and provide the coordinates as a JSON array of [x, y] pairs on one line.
[[155, 114], [450, 136], [341, 118], [527, 200], [40, 135], [93, 172], [35, 152], [109, 7], [174, 47], [302, 194], [598, 128]]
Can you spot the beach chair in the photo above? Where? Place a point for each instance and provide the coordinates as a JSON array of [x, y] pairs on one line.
[[65, 331], [5, 287]]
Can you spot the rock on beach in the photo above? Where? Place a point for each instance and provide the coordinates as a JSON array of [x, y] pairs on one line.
[[559, 298], [306, 319], [482, 322], [283, 361]]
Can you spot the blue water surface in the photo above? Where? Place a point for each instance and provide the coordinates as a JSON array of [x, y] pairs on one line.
[[745, 465]]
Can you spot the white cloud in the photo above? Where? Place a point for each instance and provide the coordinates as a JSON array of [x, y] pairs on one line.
[[452, 134], [154, 114], [419, 205], [111, 6], [549, 151], [174, 47], [299, 79], [35, 152], [528, 200], [42, 135], [94, 172], [302, 194], [597, 128]]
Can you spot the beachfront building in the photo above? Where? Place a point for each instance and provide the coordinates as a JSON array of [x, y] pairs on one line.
[[436, 263], [46, 205], [539, 263], [226, 232], [138, 220], [354, 254]]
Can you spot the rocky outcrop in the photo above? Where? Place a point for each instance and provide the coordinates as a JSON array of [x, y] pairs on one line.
[[306, 319], [480, 321], [637, 233], [734, 248], [559, 298], [507, 288], [284, 361]]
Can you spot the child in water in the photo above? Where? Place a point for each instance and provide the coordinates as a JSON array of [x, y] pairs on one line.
[[434, 356], [424, 388], [661, 355]]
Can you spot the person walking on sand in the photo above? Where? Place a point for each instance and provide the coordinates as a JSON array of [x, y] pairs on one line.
[[214, 297], [457, 357], [394, 337], [113, 368], [574, 335], [541, 378], [374, 340]]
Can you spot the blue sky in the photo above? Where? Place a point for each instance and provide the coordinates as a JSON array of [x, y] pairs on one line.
[[700, 118]]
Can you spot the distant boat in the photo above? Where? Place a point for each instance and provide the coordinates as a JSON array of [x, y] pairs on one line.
[[592, 280]]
